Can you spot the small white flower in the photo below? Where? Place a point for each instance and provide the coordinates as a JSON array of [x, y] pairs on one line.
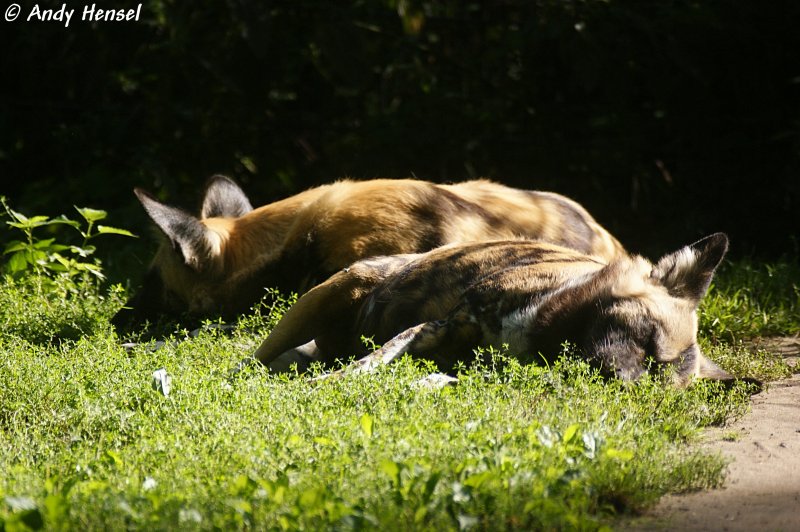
[[162, 382], [190, 515]]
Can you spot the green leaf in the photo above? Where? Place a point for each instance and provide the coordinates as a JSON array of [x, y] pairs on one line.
[[14, 245], [621, 455], [65, 221], [94, 269], [25, 222], [83, 251], [58, 247], [243, 486], [367, 422], [104, 229], [113, 458], [91, 486], [36, 256], [241, 506], [30, 223], [60, 259], [478, 479], [392, 469], [17, 262], [570, 433], [43, 244], [57, 267], [311, 499], [327, 442], [56, 510], [18, 215], [91, 215], [248, 163]]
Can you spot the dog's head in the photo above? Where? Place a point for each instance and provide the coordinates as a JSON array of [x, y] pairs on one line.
[[647, 317], [187, 273]]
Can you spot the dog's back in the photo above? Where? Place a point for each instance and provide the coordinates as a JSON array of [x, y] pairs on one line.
[[221, 262], [505, 274]]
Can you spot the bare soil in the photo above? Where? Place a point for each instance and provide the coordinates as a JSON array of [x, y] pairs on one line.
[[762, 487]]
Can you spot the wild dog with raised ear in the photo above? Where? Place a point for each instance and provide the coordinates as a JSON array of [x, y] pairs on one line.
[[221, 262], [626, 316]]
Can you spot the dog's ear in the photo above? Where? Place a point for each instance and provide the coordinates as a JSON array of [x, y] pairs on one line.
[[687, 273], [224, 198], [188, 236]]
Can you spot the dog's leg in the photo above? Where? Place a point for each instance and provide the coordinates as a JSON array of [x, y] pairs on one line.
[[443, 341], [389, 352], [328, 309], [397, 346], [300, 357], [311, 316]]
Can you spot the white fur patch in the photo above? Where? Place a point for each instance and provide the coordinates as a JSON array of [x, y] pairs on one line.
[[673, 269], [685, 258], [514, 327], [215, 241]]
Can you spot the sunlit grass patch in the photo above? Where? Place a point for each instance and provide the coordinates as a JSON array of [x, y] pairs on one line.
[[749, 299], [87, 442], [46, 310]]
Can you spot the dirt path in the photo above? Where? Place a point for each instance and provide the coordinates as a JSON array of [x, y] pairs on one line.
[[762, 488]]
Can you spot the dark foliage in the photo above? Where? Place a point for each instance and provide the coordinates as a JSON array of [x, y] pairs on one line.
[[667, 119]]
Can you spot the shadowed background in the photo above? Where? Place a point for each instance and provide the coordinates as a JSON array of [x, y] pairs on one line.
[[668, 120]]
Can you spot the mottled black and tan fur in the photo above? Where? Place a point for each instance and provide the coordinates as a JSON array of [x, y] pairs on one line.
[[220, 262], [625, 315]]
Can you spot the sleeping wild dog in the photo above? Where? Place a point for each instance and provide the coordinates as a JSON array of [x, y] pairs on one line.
[[220, 262], [626, 316]]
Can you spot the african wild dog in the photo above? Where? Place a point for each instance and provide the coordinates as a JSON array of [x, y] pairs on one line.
[[221, 262], [625, 316]]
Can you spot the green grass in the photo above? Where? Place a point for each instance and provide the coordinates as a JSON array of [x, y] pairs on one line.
[[42, 311], [750, 299], [86, 442]]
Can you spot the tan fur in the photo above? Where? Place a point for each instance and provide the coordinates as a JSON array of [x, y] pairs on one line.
[[531, 296], [297, 242], [547, 221]]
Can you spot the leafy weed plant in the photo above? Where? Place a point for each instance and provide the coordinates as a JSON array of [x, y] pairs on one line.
[[50, 289], [47, 257]]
